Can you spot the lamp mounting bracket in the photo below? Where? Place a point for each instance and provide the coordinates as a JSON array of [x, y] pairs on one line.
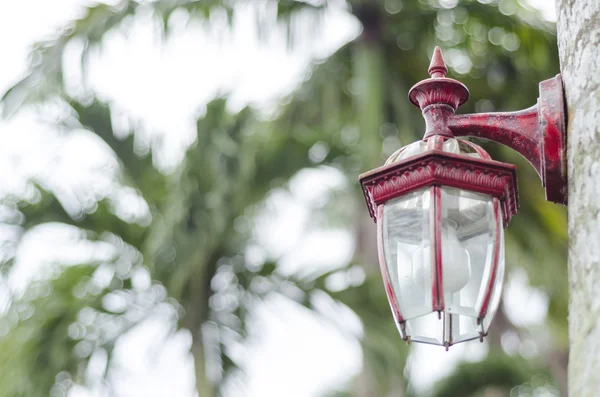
[[537, 133]]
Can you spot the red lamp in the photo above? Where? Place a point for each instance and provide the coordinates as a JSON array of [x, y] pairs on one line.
[[441, 205]]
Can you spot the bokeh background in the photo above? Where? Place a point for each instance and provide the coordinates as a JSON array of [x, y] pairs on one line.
[[179, 206]]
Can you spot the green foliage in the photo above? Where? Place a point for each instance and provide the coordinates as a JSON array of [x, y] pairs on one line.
[[384, 352], [41, 339], [354, 105], [497, 371]]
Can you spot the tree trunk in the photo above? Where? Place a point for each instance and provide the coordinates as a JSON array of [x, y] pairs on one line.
[[203, 385], [196, 317], [579, 47]]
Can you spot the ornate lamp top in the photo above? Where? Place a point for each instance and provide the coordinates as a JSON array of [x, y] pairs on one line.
[[438, 89], [538, 133]]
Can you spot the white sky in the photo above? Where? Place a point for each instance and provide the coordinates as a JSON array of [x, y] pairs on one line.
[[294, 354]]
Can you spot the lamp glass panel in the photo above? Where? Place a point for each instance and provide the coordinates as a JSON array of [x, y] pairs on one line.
[[406, 233], [426, 329], [468, 237], [469, 234], [497, 289]]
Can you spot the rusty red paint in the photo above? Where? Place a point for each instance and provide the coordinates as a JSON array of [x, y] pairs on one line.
[[437, 67], [435, 225], [436, 167], [553, 126], [501, 128], [537, 133]]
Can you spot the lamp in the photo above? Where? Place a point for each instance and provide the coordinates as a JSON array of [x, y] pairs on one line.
[[441, 205]]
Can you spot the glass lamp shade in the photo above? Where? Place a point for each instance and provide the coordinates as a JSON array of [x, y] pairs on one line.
[[441, 248]]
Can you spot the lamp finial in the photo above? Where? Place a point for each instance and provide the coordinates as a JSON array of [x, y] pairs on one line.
[[437, 67]]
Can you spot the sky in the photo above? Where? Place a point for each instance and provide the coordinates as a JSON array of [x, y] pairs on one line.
[[291, 354]]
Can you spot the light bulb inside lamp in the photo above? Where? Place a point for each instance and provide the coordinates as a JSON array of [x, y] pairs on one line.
[[456, 267]]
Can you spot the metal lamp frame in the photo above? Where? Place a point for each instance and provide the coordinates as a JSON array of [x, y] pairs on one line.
[[538, 133]]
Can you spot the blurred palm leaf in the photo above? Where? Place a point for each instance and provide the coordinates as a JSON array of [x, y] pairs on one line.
[[353, 105]]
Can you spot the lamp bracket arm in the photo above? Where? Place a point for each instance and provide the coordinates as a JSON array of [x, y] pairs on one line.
[[517, 130], [537, 133]]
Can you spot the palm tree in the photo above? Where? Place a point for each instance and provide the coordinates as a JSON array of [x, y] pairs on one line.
[[237, 159]]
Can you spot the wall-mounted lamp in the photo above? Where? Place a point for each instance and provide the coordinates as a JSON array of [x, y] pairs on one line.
[[441, 205]]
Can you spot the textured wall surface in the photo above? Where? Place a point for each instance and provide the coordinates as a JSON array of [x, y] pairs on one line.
[[579, 46]]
